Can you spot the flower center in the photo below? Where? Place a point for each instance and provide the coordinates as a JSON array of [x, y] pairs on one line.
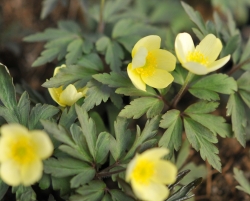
[[143, 171], [149, 68], [197, 57], [22, 151]]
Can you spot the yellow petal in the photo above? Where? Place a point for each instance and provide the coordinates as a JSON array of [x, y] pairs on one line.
[[5, 143], [165, 60], [196, 68], [183, 45], [151, 42], [42, 144], [210, 47], [130, 168], [218, 64], [70, 95], [14, 130], [55, 94], [150, 192], [160, 79], [10, 173], [32, 172], [136, 78], [154, 153], [165, 172], [139, 59]]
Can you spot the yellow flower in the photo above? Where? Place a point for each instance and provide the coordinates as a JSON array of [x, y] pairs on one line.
[[67, 96], [150, 64], [149, 174], [199, 60], [21, 154]]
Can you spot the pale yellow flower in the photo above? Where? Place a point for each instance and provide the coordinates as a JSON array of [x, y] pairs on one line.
[[201, 59], [149, 174], [67, 96], [150, 64], [21, 154]]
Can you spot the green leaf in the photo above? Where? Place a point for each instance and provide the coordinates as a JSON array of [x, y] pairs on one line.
[[3, 189], [201, 139], [61, 184], [97, 92], [102, 44], [107, 197], [41, 112], [57, 132], [69, 75], [132, 91], [24, 193], [44, 182], [195, 17], [7, 90], [114, 55], [48, 6], [11, 116], [91, 61], [149, 105], [88, 129], [64, 167], [82, 178], [231, 45], [113, 79], [202, 107], [148, 132], [74, 50], [118, 195], [23, 108], [244, 183], [93, 191], [46, 56], [246, 52], [207, 87], [68, 117], [235, 108], [244, 91], [172, 137], [102, 147], [122, 137], [179, 74]]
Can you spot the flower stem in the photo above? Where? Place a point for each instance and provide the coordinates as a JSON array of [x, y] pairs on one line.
[[101, 23], [180, 93]]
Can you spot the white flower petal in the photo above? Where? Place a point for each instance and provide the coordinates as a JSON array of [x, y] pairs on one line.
[[151, 42], [139, 59], [210, 47], [196, 68], [10, 173], [155, 153], [183, 45], [218, 64], [14, 130], [130, 168], [70, 95], [42, 144], [151, 192], [32, 172], [136, 78]]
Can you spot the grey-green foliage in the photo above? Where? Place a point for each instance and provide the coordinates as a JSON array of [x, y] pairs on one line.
[[244, 183]]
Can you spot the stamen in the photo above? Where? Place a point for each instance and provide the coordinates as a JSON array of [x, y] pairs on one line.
[[149, 68], [197, 57], [143, 171]]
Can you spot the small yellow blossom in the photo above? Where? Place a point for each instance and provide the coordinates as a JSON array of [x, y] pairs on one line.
[[21, 154], [199, 60], [150, 64], [149, 174], [67, 96]]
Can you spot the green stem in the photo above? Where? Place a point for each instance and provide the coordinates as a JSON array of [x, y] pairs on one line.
[[101, 23], [180, 93]]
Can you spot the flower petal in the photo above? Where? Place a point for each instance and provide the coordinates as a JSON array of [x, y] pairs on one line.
[[210, 47], [151, 192], [10, 173], [183, 45], [151, 42], [196, 68], [130, 168], [139, 59], [136, 78], [32, 172], [70, 95], [155, 153], [165, 172], [160, 79], [42, 144], [57, 69], [54, 93], [165, 59], [218, 64], [13, 130]]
